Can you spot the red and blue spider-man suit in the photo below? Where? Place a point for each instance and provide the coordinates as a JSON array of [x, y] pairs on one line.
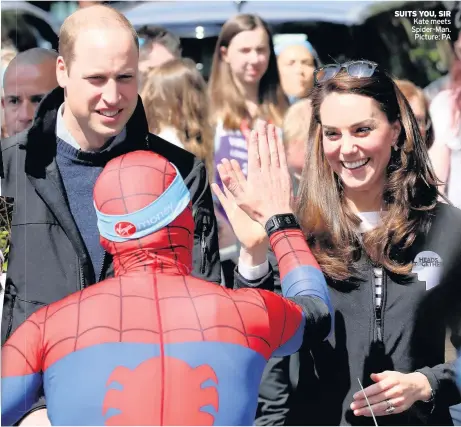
[[154, 345]]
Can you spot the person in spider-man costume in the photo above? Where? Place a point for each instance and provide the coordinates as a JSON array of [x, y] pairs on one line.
[[154, 345]]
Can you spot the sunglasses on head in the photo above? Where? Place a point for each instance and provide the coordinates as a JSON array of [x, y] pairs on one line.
[[356, 69]]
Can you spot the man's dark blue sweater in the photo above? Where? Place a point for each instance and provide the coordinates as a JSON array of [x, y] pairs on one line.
[[79, 171]]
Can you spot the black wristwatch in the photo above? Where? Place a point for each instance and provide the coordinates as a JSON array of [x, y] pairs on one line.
[[281, 222]]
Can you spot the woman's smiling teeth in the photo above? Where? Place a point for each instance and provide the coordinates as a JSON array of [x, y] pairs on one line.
[[355, 165]]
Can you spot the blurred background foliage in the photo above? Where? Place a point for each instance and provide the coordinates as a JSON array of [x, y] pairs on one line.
[[6, 214]]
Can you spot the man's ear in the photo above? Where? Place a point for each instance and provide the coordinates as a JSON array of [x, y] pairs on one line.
[[62, 72]]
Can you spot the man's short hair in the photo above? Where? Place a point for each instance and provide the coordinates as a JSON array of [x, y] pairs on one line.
[[78, 22], [34, 56], [151, 34]]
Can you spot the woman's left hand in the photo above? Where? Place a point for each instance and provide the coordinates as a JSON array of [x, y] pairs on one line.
[[267, 191], [393, 393]]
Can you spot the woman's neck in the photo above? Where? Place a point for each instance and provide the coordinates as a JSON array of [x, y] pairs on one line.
[[364, 201], [250, 93]]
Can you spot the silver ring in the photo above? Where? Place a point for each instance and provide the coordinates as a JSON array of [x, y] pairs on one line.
[[390, 407]]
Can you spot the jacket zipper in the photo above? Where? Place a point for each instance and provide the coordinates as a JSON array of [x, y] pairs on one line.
[[379, 324], [30, 302], [203, 246], [82, 280], [10, 321], [379, 310], [102, 267]]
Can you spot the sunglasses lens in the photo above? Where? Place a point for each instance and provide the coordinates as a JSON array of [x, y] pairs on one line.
[[361, 69], [327, 73]]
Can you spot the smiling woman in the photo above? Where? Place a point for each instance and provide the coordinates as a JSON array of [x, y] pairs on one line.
[[244, 85], [368, 204], [367, 156], [368, 207], [357, 146]]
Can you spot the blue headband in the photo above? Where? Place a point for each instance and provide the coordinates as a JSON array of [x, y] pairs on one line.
[[280, 46], [282, 41], [161, 212]]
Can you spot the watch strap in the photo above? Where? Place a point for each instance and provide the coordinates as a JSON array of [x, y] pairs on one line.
[[281, 222]]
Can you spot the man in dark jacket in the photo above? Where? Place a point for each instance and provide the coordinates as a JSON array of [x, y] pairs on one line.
[[50, 169]]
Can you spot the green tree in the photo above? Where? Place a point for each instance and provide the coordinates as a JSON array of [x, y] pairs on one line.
[[6, 214]]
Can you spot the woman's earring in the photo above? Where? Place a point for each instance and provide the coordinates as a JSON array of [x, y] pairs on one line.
[[396, 147]]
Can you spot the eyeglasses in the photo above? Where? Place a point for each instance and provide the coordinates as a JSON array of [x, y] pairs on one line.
[[356, 69]]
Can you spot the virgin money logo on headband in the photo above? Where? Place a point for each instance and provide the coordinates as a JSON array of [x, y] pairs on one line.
[[156, 218], [125, 229], [156, 215]]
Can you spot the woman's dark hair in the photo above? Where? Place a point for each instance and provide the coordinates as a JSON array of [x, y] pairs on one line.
[[410, 192]]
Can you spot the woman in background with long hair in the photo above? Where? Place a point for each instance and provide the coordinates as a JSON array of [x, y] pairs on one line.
[[177, 107], [244, 85], [176, 104], [420, 107]]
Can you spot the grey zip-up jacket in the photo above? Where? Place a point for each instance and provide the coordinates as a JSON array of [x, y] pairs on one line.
[[406, 335], [48, 259]]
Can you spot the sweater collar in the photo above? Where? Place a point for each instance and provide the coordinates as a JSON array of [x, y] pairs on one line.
[[64, 135]]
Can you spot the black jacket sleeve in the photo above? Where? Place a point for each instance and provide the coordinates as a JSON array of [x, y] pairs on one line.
[[274, 392], [266, 282], [269, 282], [445, 300], [444, 304], [318, 318], [442, 381], [207, 265]]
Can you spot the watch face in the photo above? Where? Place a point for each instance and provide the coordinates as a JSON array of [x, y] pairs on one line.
[[288, 219], [281, 222]]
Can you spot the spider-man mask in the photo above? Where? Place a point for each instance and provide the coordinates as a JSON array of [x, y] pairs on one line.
[[144, 213]]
